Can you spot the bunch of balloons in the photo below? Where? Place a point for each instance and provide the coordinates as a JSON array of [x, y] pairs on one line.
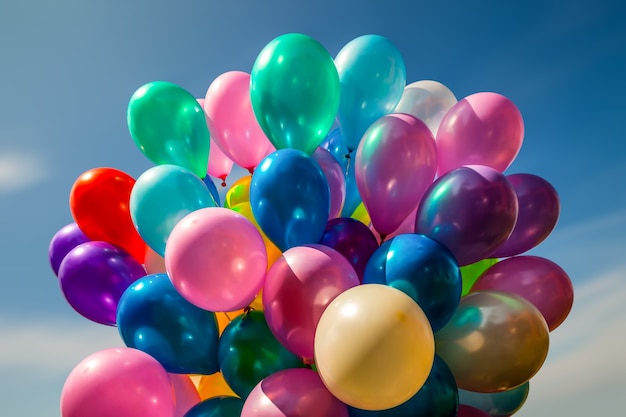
[[372, 263]]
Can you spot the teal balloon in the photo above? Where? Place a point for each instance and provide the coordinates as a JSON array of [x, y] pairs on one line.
[[248, 352], [497, 404], [161, 197], [168, 125], [372, 74], [217, 407], [294, 91]]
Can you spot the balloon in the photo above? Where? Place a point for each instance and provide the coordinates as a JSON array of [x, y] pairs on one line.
[[216, 259], [63, 241], [374, 347], [471, 210], [185, 393], [294, 89], [494, 341], [496, 404], [469, 411], [292, 393], [168, 125], [437, 398], [423, 269], [470, 273], [362, 215], [214, 385], [99, 202], [94, 275], [373, 75], [290, 198], [482, 129], [153, 317], [539, 209], [239, 192], [336, 180], [297, 289], [538, 280], [217, 407], [154, 263], [219, 165], [232, 122], [249, 352], [273, 253], [395, 163], [161, 197], [208, 181], [352, 239], [93, 387], [427, 100]]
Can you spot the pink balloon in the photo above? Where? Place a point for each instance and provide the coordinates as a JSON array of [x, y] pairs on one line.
[[185, 393], [335, 177], [118, 382], [395, 162], [232, 122], [216, 259], [294, 392], [469, 411], [219, 164], [481, 129], [297, 289], [540, 281]]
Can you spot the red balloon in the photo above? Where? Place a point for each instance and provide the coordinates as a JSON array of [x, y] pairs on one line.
[[469, 411], [99, 203]]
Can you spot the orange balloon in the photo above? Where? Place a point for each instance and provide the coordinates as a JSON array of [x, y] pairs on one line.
[[214, 385]]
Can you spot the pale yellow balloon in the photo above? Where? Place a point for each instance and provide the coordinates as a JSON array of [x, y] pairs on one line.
[[374, 347]]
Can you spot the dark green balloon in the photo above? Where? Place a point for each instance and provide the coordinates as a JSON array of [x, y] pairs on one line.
[[249, 352], [217, 407]]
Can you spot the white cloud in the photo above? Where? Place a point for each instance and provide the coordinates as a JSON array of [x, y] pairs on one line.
[[19, 170]]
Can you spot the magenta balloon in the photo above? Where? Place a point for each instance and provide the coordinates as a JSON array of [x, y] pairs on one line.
[[539, 209], [63, 241], [481, 129], [335, 177], [540, 281], [216, 259], [471, 210], [396, 161], [293, 393], [298, 287], [118, 382], [469, 411]]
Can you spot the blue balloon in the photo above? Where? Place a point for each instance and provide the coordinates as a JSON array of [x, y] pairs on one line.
[[154, 318], [208, 181], [217, 407], [161, 197], [503, 403], [422, 268], [290, 198]]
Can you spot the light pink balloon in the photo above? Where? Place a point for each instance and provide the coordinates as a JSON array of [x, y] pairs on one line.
[[294, 392], [540, 281], [185, 393], [118, 382], [336, 180], [481, 129], [231, 120], [297, 289], [219, 164], [216, 259]]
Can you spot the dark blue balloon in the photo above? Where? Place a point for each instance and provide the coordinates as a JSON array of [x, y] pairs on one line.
[[217, 407], [208, 181], [154, 318], [290, 198], [422, 268]]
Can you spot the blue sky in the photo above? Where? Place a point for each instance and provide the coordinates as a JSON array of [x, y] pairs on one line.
[[69, 67]]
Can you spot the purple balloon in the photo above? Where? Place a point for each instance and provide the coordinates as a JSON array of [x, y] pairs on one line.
[[63, 241], [539, 209], [352, 239], [94, 275], [335, 177], [471, 210]]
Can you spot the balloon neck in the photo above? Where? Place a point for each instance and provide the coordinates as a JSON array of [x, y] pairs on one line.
[[347, 156], [308, 363], [251, 170], [223, 178], [382, 237]]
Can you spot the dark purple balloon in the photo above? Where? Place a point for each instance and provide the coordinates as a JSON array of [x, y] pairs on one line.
[[352, 239], [539, 209], [63, 241], [471, 210], [94, 275]]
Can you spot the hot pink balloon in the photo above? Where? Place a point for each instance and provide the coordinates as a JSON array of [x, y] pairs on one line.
[[118, 382], [395, 162], [216, 259], [185, 393], [297, 289], [540, 281], [293, 392], [335, 177], [232, 122], [481, 129]]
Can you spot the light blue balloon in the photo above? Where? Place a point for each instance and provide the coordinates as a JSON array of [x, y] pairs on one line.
[[290, 198], [372, 75], [161, 197]]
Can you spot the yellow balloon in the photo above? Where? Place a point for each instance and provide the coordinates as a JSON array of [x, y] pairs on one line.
[[214, 385], [374, 347], [361, 214], [273, 253], [239, 192]]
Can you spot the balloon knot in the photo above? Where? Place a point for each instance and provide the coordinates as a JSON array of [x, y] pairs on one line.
[[251, 170], [347, 156], [223, 182]]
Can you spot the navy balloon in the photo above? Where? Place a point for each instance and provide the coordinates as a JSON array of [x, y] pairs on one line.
[[290, 198], [217, 407], [154, 318], [422, 268]]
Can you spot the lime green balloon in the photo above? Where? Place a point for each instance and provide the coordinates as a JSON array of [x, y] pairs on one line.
[[470, 273], [168, 125], [294, 90]]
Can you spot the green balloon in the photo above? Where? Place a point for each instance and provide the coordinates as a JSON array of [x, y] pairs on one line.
[[294, 90], [168, 125], [217, 407], [248, 352], [470, 273]]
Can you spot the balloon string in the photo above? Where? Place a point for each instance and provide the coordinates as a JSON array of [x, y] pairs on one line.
[[347, 156], [228, 317]]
